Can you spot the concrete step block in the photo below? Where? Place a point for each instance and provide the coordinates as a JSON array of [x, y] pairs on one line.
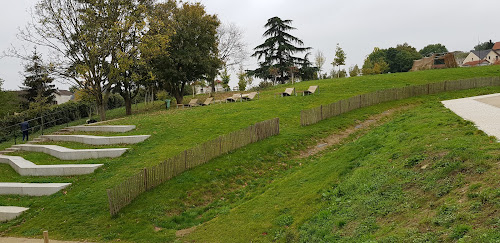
[[73, 154], [117, 128], [97, 140], [31, 189], [10, 212], [27, 168]]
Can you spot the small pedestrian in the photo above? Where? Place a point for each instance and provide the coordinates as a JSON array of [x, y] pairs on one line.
[[25, 128]]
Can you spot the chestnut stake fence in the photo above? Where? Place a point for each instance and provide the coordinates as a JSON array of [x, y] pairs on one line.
[[316, 114], [124, 193]]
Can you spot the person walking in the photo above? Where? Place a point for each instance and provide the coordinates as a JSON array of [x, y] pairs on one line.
[[25, 128]]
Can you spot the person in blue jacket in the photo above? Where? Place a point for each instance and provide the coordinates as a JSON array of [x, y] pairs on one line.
[[25, 128]]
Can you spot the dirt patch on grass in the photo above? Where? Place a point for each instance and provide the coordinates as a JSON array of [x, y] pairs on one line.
[[184, 232], [337, 138]]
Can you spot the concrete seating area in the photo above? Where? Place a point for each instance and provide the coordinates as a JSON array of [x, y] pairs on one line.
[[27, 168], [97, 140], [31, 189], [72, 154], [118, 128], [9, 212]]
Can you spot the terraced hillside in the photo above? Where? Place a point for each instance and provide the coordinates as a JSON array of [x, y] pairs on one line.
[[416, 172]]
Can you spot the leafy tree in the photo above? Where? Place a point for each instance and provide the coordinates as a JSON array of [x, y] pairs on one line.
[[274, 72], [354, 71], [433, 48], [484, 46], [400, 58], [394, 59], [375, 62], [243, 80], [319, 60], [338, 74], [190, 53], [226, 77], [128, 69], [339, 58], [38, 88], [84, 37], [278, 50]]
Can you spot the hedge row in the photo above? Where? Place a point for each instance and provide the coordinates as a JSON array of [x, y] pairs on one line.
[[55, 115]]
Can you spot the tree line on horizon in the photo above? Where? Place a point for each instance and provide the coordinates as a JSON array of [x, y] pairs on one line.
[[124, 47]]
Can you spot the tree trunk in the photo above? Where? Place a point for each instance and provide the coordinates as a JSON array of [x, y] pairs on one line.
[[128, 105], [178, 98]]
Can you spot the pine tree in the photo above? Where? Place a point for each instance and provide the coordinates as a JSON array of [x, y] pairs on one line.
[[278, 50], [38, 88]]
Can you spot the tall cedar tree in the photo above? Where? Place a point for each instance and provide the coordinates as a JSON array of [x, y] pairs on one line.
[[187, 55], [37, 83], [278, 50]]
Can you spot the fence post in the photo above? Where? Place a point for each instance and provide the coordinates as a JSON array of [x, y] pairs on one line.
[[145, 171]]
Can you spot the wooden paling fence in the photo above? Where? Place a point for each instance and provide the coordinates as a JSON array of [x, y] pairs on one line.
[[316, 114], [124, 193]]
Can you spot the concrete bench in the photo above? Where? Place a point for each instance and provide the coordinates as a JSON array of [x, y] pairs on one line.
[[31, 189], [97, 140], [72, 154], [10, 212], [27, 168], [118, 128]]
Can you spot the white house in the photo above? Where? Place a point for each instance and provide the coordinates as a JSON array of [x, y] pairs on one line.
[[199, 89], [63, 96], [483, 57]]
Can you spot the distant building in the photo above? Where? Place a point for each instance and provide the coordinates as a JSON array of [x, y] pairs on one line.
[[436, 61], [63, 96], [483, 57], [199, 89]]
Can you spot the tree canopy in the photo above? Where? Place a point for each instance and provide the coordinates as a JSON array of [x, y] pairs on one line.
[[484, 46], [433, 48], [185, 38], [278, 50], [38, 88], [394, 59]]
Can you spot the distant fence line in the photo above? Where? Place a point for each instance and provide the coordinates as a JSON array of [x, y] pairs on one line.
[[124, 193], [316, 114]]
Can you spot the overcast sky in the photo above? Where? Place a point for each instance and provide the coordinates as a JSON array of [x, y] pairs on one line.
[[357, 25]]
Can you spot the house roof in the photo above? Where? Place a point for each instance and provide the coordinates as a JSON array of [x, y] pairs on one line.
[[496, 46], [475, 63], [64, 92], [482, 54]]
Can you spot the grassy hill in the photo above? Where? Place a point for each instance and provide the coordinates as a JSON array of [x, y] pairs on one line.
[[419, 173]]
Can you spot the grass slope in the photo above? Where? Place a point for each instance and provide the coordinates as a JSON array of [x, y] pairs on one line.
[[427, 175], [211, 190]]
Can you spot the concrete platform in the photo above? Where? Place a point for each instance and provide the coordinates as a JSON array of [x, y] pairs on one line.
[[119, 128], [9, 213], [484, 111], [31, 189], [72, 154], [97, 140], [27, 168]]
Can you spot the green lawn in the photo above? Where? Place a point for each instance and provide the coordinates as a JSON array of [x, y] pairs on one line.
[[222, 187]]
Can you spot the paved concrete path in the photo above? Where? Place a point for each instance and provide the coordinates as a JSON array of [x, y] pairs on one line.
[[484, 111], [72, 154], [97, 140]]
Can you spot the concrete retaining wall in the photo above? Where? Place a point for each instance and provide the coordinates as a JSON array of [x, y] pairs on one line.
[[9, 212], [31, 189], [120, 128], [27, 168], [73, 154], [97, 140]]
